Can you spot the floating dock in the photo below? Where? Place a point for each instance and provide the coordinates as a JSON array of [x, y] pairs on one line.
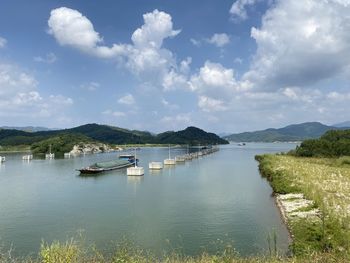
[[2, 159], [169, 162]]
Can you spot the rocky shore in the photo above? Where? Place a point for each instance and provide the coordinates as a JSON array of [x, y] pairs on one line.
[[91, 148]]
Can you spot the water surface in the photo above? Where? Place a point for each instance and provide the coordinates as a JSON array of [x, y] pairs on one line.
[[196, 206]]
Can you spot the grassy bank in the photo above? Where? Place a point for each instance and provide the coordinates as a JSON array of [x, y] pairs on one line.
[[325, 184], [76, 252]]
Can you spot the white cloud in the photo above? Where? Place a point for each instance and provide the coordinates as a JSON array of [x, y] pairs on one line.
[[60, 100], [114, 113], [213, 78], [209, 104], [48, 59], [91, 86], [195, 42], [176, 121], [238, 8], [128, 99], [145, 57], [3, 42], [300, 43], [20, 97], [168, 105], [157, 27], [219, 40]]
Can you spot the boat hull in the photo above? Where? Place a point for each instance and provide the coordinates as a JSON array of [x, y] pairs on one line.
[[94, 170]]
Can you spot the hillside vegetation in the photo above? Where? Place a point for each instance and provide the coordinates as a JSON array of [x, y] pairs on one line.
[[295, 132], [331, 144], [61, 140]]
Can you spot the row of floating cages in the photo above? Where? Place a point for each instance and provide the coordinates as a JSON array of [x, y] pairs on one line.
[[181, 158]]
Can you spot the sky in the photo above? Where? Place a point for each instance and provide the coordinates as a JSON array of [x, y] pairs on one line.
[[157, 65]]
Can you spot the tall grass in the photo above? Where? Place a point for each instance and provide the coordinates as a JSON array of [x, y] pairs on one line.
[[326, 182]]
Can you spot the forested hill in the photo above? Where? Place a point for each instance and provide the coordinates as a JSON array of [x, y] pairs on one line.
[[295, 132], [113, 135], [331, 144]]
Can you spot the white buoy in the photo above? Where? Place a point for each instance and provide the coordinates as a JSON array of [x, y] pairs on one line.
[[155, 165]]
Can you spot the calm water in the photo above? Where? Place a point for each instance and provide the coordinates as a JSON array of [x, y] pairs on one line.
[[191, 206]]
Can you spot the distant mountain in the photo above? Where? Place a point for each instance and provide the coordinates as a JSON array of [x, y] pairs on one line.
[[345, 124], [295, 132], [26, 128], [112, 135]]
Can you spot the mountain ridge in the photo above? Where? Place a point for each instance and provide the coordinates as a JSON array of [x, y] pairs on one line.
[[113, 135], [293, 132]]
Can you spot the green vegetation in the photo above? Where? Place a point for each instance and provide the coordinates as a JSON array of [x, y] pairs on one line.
[[331, 144], [17, 148], [61, 140], [327, 183], [296, 132], [59, 144], [77, 252]]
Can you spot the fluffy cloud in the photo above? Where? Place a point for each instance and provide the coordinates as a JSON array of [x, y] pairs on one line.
[[176, 121], [219, 40], [128, 99], [209, 105], [300, 43], [48, 59], [19, 96], [3, 42], [238, 8], [145, 57]]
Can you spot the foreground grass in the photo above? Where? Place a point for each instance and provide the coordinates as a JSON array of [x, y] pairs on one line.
[[324, 181], [73, 252]]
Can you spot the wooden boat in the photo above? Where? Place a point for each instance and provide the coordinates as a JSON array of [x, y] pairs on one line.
[[107, 166]]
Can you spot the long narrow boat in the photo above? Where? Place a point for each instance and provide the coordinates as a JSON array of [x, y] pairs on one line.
[[107, 166]]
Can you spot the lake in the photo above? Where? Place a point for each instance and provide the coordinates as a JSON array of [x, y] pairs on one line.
[[200, 205]]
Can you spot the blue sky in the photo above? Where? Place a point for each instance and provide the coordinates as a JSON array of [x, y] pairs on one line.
[[224, 66]]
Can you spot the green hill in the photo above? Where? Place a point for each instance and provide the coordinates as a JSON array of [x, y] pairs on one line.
[[105, 134], [331, 144], [295, 132]]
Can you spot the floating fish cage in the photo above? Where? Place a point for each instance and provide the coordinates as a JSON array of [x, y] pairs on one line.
[[50, 156], [180, 159], [2, 159], [169, 162], [155, 165], [135, 171], [27, 157]]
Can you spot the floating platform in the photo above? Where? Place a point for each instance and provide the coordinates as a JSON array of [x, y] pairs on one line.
[[155, 165], [135, 171], [180, 159], [27, 157], [169, 162], [67, 155], [2, 159], [50, 156]]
